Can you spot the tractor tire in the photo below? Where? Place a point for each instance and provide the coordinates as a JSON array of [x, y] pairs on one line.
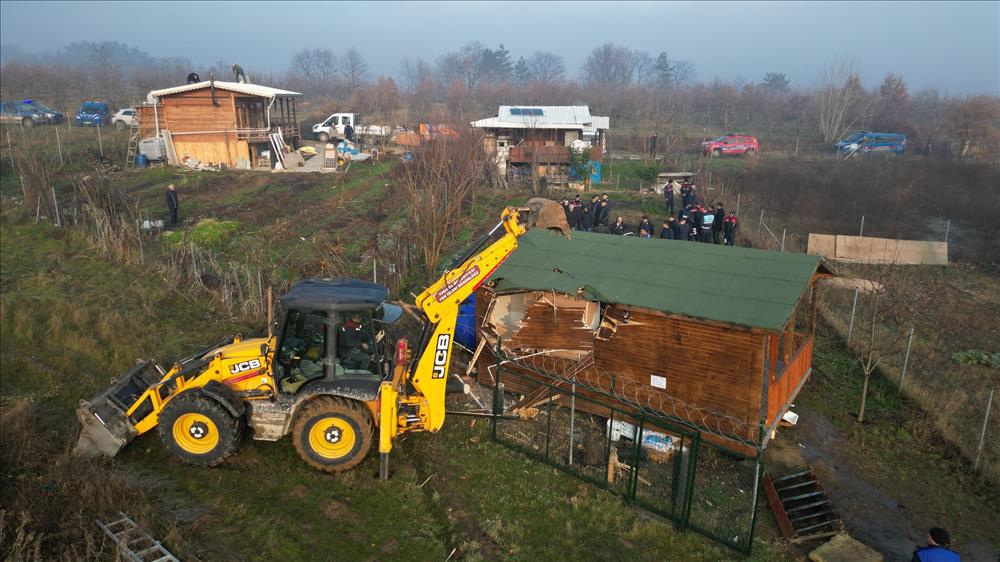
[[198, 429], [333, 434]]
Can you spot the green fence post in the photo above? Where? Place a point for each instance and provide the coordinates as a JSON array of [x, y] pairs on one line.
[[692, 472], [636, 452], [756, 494]]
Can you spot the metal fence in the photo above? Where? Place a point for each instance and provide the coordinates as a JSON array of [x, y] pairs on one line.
[[655, 463]]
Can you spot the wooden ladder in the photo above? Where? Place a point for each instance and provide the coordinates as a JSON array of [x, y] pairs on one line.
[[133, 139], [135, 544], [801, 506]]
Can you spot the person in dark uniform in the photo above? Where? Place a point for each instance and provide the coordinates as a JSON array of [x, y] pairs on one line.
[[937, 549], [619, 227], [603, 214], [349, 132], [667, 231], [729, 227], [576, 216], [686, 194], [683, 229], [720, 216], [587, 219], [644, 224], [707, 227], [173, 203]]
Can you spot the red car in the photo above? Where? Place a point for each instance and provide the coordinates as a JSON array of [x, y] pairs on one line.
[[733, 143]]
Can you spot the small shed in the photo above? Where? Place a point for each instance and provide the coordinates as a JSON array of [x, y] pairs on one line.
[[228, 123], [718, 338]]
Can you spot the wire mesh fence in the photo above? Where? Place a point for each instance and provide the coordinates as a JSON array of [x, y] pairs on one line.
[[655, 463]]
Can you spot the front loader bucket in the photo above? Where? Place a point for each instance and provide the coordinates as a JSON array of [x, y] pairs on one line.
[[106, 427], [101, 437], [546, 214]]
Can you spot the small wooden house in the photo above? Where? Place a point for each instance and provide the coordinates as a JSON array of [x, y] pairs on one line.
[[221, 122], [716, 338]]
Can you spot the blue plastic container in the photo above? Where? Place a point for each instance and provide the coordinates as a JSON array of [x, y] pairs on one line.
[[141, 161]]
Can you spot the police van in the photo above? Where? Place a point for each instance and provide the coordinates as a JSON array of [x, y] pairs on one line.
[[867, 142]]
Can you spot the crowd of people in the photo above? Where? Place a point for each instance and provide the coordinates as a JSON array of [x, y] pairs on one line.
[[692, 222]]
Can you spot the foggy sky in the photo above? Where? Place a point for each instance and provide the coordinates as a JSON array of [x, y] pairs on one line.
[[952, 46]]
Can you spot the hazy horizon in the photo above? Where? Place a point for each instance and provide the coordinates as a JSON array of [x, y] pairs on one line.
[[951, 46]]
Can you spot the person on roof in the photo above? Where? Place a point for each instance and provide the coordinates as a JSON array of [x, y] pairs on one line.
[[729, 227], [619, 227], [937, 549]]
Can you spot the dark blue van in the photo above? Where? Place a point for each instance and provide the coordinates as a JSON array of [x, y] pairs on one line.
[[93, 113], [867, 142]]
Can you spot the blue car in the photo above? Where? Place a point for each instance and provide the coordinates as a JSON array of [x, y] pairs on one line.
[[51, 116], [868, 143], [93, 113]]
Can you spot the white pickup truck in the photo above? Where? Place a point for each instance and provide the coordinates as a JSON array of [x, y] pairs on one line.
[[333, 127]]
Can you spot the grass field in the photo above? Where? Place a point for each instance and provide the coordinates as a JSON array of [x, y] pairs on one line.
[[72, 316]]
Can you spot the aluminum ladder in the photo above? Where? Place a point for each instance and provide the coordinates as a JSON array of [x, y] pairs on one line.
[[133, 139], [135, 544]]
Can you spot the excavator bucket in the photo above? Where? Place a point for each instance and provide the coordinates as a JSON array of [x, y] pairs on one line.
[[546, 214], [105, 425]]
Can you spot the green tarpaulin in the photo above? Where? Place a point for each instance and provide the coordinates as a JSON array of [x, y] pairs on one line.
[[743, 286]]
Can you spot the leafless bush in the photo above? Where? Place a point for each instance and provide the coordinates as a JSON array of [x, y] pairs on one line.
[[113, 217], [35, 163], [442, 183]]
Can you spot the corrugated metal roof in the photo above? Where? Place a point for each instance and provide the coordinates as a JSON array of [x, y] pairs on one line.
[[240, 88], [744, 286], [552, 117]]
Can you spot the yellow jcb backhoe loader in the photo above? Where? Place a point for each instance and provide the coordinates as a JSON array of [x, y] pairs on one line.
[[328, 377]]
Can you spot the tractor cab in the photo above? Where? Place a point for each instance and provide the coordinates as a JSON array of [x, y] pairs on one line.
[[333, 330]]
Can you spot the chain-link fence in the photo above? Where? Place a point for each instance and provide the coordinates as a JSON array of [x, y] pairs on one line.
[[653, 462]]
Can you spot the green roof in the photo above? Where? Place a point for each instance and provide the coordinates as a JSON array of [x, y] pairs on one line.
[[744, 286]]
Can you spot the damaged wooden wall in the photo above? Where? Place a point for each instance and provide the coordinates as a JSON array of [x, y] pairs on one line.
[[705, 364]]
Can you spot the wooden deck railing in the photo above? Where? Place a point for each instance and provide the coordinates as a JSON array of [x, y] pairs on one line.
[[783, 384], [547, 154]]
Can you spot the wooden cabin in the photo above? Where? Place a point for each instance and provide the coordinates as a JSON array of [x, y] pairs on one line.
[[717, 338], [227, 123]]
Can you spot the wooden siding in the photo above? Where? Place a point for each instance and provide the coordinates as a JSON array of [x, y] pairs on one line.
[[782, 386], [707, 365], [213, 133]]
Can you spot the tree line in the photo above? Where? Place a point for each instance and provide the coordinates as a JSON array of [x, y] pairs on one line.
[[641, 91]]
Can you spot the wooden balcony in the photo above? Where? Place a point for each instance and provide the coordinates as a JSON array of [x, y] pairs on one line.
[[547, 154], [785, 377], [288, 131]]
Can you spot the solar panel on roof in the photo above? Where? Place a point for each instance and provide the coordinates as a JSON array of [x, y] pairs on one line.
[[515, 111]]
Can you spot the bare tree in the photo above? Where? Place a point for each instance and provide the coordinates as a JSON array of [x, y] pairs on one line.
[[841, 100], [882, 318], [413, 72], [684, 72], [443, 183], [643, 66], [609, 65], [354, 69], [317, 68], [546, 67]]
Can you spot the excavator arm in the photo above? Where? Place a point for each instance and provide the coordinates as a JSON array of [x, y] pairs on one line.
[[423, 410]]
